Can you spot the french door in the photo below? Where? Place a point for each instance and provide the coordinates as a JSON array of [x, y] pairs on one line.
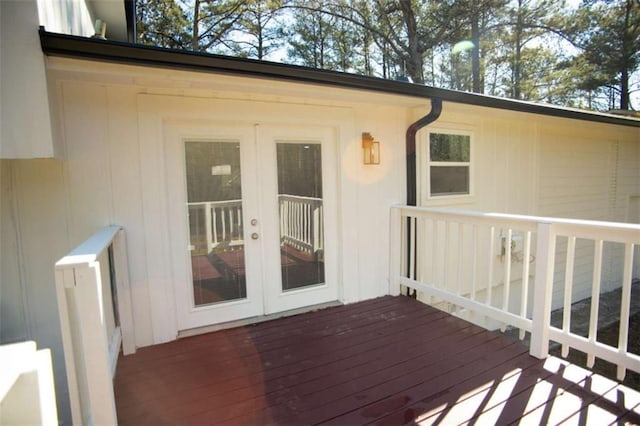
[[258, 220]]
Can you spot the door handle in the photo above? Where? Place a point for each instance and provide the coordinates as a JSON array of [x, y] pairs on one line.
[[255, 236]]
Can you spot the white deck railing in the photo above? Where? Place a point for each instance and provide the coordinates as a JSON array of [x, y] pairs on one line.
[[301, 222], [508, 268], [222, 221], [92, 284]]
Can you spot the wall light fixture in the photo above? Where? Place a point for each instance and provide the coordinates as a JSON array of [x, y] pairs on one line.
[[371, 149]]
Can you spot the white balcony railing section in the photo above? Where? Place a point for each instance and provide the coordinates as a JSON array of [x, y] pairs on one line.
[[92, 284], [301, 222], [222, 222], [507, 268]]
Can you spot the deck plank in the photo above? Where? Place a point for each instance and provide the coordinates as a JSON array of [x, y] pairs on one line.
[[390, 360]]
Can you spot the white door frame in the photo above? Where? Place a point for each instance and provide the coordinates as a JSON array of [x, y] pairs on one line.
[[155, 112], [277, 300], [189, 315]]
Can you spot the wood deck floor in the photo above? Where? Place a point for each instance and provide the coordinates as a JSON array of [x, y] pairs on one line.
[[390, 360]]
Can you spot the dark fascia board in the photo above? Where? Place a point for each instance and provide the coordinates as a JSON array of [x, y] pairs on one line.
[[54, 44]]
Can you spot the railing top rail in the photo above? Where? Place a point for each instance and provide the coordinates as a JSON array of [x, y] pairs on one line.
[[90, 249], [217, 203], [299, 197], [564, 224]]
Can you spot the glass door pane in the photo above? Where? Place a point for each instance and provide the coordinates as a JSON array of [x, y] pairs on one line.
[[301, 218], [214, 206]]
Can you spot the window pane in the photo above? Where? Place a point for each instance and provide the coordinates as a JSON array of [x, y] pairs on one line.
[[214, 208], [301, 215], [449, 180], [445, 147]]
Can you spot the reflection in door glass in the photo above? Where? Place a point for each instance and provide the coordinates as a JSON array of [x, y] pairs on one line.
[[214, 205], [301, 214]]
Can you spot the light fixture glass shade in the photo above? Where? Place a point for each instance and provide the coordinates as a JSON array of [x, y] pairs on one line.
[[371, 149]]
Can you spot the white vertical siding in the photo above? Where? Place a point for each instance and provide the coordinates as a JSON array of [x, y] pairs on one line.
[[126, 194], [575, 175], [65, 17], [41, 230], [588, 172], [25, 124], [14, 311], [378, 187]]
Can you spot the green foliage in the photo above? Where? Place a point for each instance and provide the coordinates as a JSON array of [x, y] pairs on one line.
[[536, 50], [161, 23], [608, 33], [449, 147]]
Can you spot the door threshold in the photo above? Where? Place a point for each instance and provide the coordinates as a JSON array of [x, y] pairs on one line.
[[255, 320]]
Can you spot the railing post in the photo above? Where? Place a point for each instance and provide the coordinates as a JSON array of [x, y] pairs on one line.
[[95, 344], [545, 258], [396, 246], [125, 306], [208, 227]]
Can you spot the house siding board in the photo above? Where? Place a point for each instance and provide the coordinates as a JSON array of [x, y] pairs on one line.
[[580, 177], [14, 315], [377, 187], [25, 126], [65, 17], [126, 194], [86, 159], [41, 224]]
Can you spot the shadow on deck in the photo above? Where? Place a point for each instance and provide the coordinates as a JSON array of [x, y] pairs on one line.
[[390, 360]]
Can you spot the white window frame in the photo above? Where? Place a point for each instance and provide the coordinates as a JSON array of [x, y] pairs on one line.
[[426, 164]]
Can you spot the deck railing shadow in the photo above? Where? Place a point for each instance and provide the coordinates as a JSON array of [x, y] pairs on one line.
[[542, 393]]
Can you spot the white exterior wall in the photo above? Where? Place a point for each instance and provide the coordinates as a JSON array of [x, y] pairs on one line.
[[589, 172], [25, 116], [546, 166], [66, 17], [33, 237], [25, 130]]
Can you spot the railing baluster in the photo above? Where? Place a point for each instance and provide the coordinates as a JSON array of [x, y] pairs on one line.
[[435, 271], [404, 254], [568, 286], [474, 262], [524, 300], [396, 230], [625, 302], [214, 225], [595, 299], [507, 274], [211, 239], [460, 256], [224, 223], [412, 248], [492, 242], [445, 257]]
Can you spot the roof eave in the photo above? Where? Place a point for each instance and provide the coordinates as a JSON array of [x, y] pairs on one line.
[[126, 53]]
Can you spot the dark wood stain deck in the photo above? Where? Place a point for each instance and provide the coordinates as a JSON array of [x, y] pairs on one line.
[[390, 360]]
